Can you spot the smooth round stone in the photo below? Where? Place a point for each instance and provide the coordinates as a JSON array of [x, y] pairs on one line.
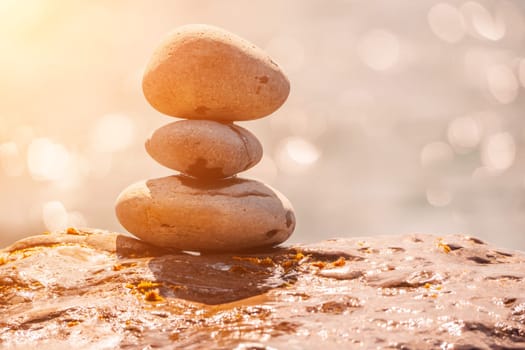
[[204, 72], [190, 214], [204, 148]]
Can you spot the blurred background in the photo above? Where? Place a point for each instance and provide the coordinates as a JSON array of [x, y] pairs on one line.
[[404, 116]]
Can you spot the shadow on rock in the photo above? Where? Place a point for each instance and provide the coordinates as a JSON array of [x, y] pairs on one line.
[[211, 278]]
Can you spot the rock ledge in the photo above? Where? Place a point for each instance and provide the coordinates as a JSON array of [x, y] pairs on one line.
[[91, 289]]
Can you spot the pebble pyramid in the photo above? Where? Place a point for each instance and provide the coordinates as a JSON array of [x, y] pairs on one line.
[[211, 78]]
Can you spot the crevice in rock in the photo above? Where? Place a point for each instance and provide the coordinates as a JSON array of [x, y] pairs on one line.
[[199, 169]]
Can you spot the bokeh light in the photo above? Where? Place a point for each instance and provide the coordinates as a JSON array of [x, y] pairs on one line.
[[438, 197], [487, 25], [47, 160], [499, 151], [503, 84], [112, 132], [436, 153], [410, 112], [296, 154], [55, 216], [464, 133], [379, 49], [446, 22]]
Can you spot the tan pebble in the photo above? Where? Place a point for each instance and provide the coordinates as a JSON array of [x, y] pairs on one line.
[[204, 72], [190, 214], [204, 148]]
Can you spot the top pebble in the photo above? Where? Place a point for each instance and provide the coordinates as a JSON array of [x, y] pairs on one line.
[[205, 72]]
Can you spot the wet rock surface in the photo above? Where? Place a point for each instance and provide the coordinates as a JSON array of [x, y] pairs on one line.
[[89, 289]]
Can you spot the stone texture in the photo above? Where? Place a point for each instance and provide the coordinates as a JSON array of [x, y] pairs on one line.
[[204, 149], [192, 214], [97, 290], [204, 72]]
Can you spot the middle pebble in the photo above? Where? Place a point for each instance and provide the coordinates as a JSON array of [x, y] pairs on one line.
[[204, 148]]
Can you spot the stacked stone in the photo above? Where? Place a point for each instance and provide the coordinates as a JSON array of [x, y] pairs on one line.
[[211, 78]]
